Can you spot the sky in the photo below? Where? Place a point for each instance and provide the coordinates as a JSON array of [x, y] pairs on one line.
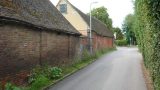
[[117, 9]]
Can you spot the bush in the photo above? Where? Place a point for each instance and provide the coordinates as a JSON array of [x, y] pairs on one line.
[[34, 74], [10, 86], [97, 55], [55, 73], [86, 55], [121, 42], [46, 71], [40, 81], [41, 76]]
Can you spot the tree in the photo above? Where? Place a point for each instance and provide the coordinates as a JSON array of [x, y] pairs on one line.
[[102, 14], [119, 34], [128, 29]]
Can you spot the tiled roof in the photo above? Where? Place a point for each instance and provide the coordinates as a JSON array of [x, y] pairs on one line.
[[40, 13], [97, 26]]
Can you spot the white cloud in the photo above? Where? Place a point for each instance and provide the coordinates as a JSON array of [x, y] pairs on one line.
[[117, 9]]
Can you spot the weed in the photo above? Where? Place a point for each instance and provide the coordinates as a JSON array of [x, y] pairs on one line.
[[43, 76], [40, 81], [10, 86], [47, 71], [55, 73]]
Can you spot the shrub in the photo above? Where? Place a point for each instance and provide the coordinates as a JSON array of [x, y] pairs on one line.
[[40, 81], [97, 55], [121, 42], [41, 76], [34, 74], [46, 71], [55, 73], [10, 86], [86, 55]]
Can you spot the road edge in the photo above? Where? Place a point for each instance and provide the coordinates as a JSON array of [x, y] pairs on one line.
[[71, 73], [147, 77]]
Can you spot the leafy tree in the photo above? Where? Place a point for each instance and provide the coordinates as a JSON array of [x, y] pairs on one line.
[[119, 34], [102, 14], [128, 29]]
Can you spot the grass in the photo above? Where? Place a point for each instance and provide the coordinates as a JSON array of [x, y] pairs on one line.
[[88, 59], [41, 77], [39, 83]]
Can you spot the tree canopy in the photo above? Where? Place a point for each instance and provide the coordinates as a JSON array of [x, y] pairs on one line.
[[128, 29], [119, 34], [102, 14]]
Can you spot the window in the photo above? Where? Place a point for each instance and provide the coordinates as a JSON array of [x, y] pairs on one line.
[[63, 8]]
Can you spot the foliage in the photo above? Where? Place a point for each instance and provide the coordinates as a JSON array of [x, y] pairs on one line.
[[102, 52], [147, 26], [102, 14], [40, 82], [121, 42], [43, 76], [10, 86], [46, 71], [87, 59], [34, 74], [86, 55], [119, 34], [128, 29], [55, 73]]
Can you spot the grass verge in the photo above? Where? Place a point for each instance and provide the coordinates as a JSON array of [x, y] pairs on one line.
[[147, 77], [88, 59], [44, 77]]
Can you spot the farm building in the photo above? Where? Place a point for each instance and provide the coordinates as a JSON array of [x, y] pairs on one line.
[[102, 37], [34, 32]]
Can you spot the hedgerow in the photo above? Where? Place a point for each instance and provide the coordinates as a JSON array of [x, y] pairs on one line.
[[147, 30], [121, 42]]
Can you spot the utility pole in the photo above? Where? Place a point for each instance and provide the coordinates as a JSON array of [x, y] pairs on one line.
[[90, 29]]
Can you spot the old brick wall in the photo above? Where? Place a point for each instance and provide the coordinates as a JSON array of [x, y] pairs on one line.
[[58, 48], [54, 48], [84, 45], [19, 48], [22, 48], [100, 42]]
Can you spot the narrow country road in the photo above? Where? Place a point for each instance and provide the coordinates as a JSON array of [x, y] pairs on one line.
[[119, 70]]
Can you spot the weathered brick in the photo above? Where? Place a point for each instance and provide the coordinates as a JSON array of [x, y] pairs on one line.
[[22, 48], [101, 42]]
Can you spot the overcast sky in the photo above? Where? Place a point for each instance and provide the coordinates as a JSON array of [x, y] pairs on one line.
[[117, 9]]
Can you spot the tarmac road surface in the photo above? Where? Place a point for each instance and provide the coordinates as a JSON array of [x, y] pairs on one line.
[[119, 70]]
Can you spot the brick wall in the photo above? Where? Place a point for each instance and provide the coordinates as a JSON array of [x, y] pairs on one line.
[[22, 48], [59, 49], [19, 49], [100, 42]]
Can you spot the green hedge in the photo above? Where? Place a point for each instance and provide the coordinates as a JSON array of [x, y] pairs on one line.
[[147, 30], [121, 42]]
